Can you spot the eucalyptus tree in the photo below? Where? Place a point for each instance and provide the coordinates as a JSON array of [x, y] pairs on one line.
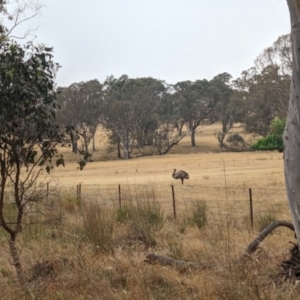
[[278, 54], [266, 86], [112, 91], [195, 103], [130, 110], [221, 91], [120, 113], [229, 106], [291, 135], [266, 95], [28, 132], [80, 111], [164, 131]]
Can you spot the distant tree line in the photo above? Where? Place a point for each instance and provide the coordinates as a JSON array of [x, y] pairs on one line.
[[147, 116]]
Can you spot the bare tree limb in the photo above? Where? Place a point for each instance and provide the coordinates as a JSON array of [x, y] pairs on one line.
[[263, 234], [18, 17], [153, 258]]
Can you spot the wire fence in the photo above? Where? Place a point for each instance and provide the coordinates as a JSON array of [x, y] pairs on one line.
[[239, 205], [248, 204]]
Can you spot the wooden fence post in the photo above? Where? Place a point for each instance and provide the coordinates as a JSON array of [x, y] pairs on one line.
[[120, 200], [47, 192], [79, 193], [251, 206], [174, 203]]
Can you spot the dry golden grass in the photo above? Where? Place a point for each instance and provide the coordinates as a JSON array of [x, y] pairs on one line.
[[205, 164], [64, 260]]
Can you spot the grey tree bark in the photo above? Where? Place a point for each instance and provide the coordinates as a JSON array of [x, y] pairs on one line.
[[291, 135]]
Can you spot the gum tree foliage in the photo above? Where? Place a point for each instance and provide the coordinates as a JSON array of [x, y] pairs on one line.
[[273, 141], [266, 86], [229, 106], [277, 55], [80, 112], [28, 133], [137, 116], [122, 111], [168, 130], [195, 103]]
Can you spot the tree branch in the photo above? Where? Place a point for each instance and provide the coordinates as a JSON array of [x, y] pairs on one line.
[[153, 258]]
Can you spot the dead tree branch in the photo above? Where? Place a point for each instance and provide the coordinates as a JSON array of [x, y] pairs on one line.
[[153, 258], [263, 234]]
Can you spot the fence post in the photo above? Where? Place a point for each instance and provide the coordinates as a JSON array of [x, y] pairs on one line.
[[251, 206], [120, 200], [79, 193], [174, 203], [47, 192]]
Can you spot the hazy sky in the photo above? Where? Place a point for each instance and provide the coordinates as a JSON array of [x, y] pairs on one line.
[[172, 40]]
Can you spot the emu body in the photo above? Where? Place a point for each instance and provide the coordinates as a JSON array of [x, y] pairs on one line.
[[180, 175]]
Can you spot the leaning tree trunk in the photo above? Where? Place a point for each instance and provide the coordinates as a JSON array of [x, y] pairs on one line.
[[291, 135], [193, 135]]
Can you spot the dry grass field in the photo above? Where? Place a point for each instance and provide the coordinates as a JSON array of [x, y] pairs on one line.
[[205, 164], [93, 249]]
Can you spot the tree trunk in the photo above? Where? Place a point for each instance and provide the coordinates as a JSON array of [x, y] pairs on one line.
[[86, 145], [74, 143], [16, 259], [126, 152], [193, 134], [119, 150], [180, 131], [94, 146], [74, 147], [221, 137], [291, 135], [180, 128], [125, 144], [224, 127]]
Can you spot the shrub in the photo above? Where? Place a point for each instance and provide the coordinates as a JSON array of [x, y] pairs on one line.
[[271, 142], [235, 138], [277, 126]]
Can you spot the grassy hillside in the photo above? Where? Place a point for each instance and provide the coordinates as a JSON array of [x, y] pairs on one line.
[[92, 249], [205, 164]]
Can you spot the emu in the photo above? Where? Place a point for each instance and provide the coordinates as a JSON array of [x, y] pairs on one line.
[[180, 175]]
